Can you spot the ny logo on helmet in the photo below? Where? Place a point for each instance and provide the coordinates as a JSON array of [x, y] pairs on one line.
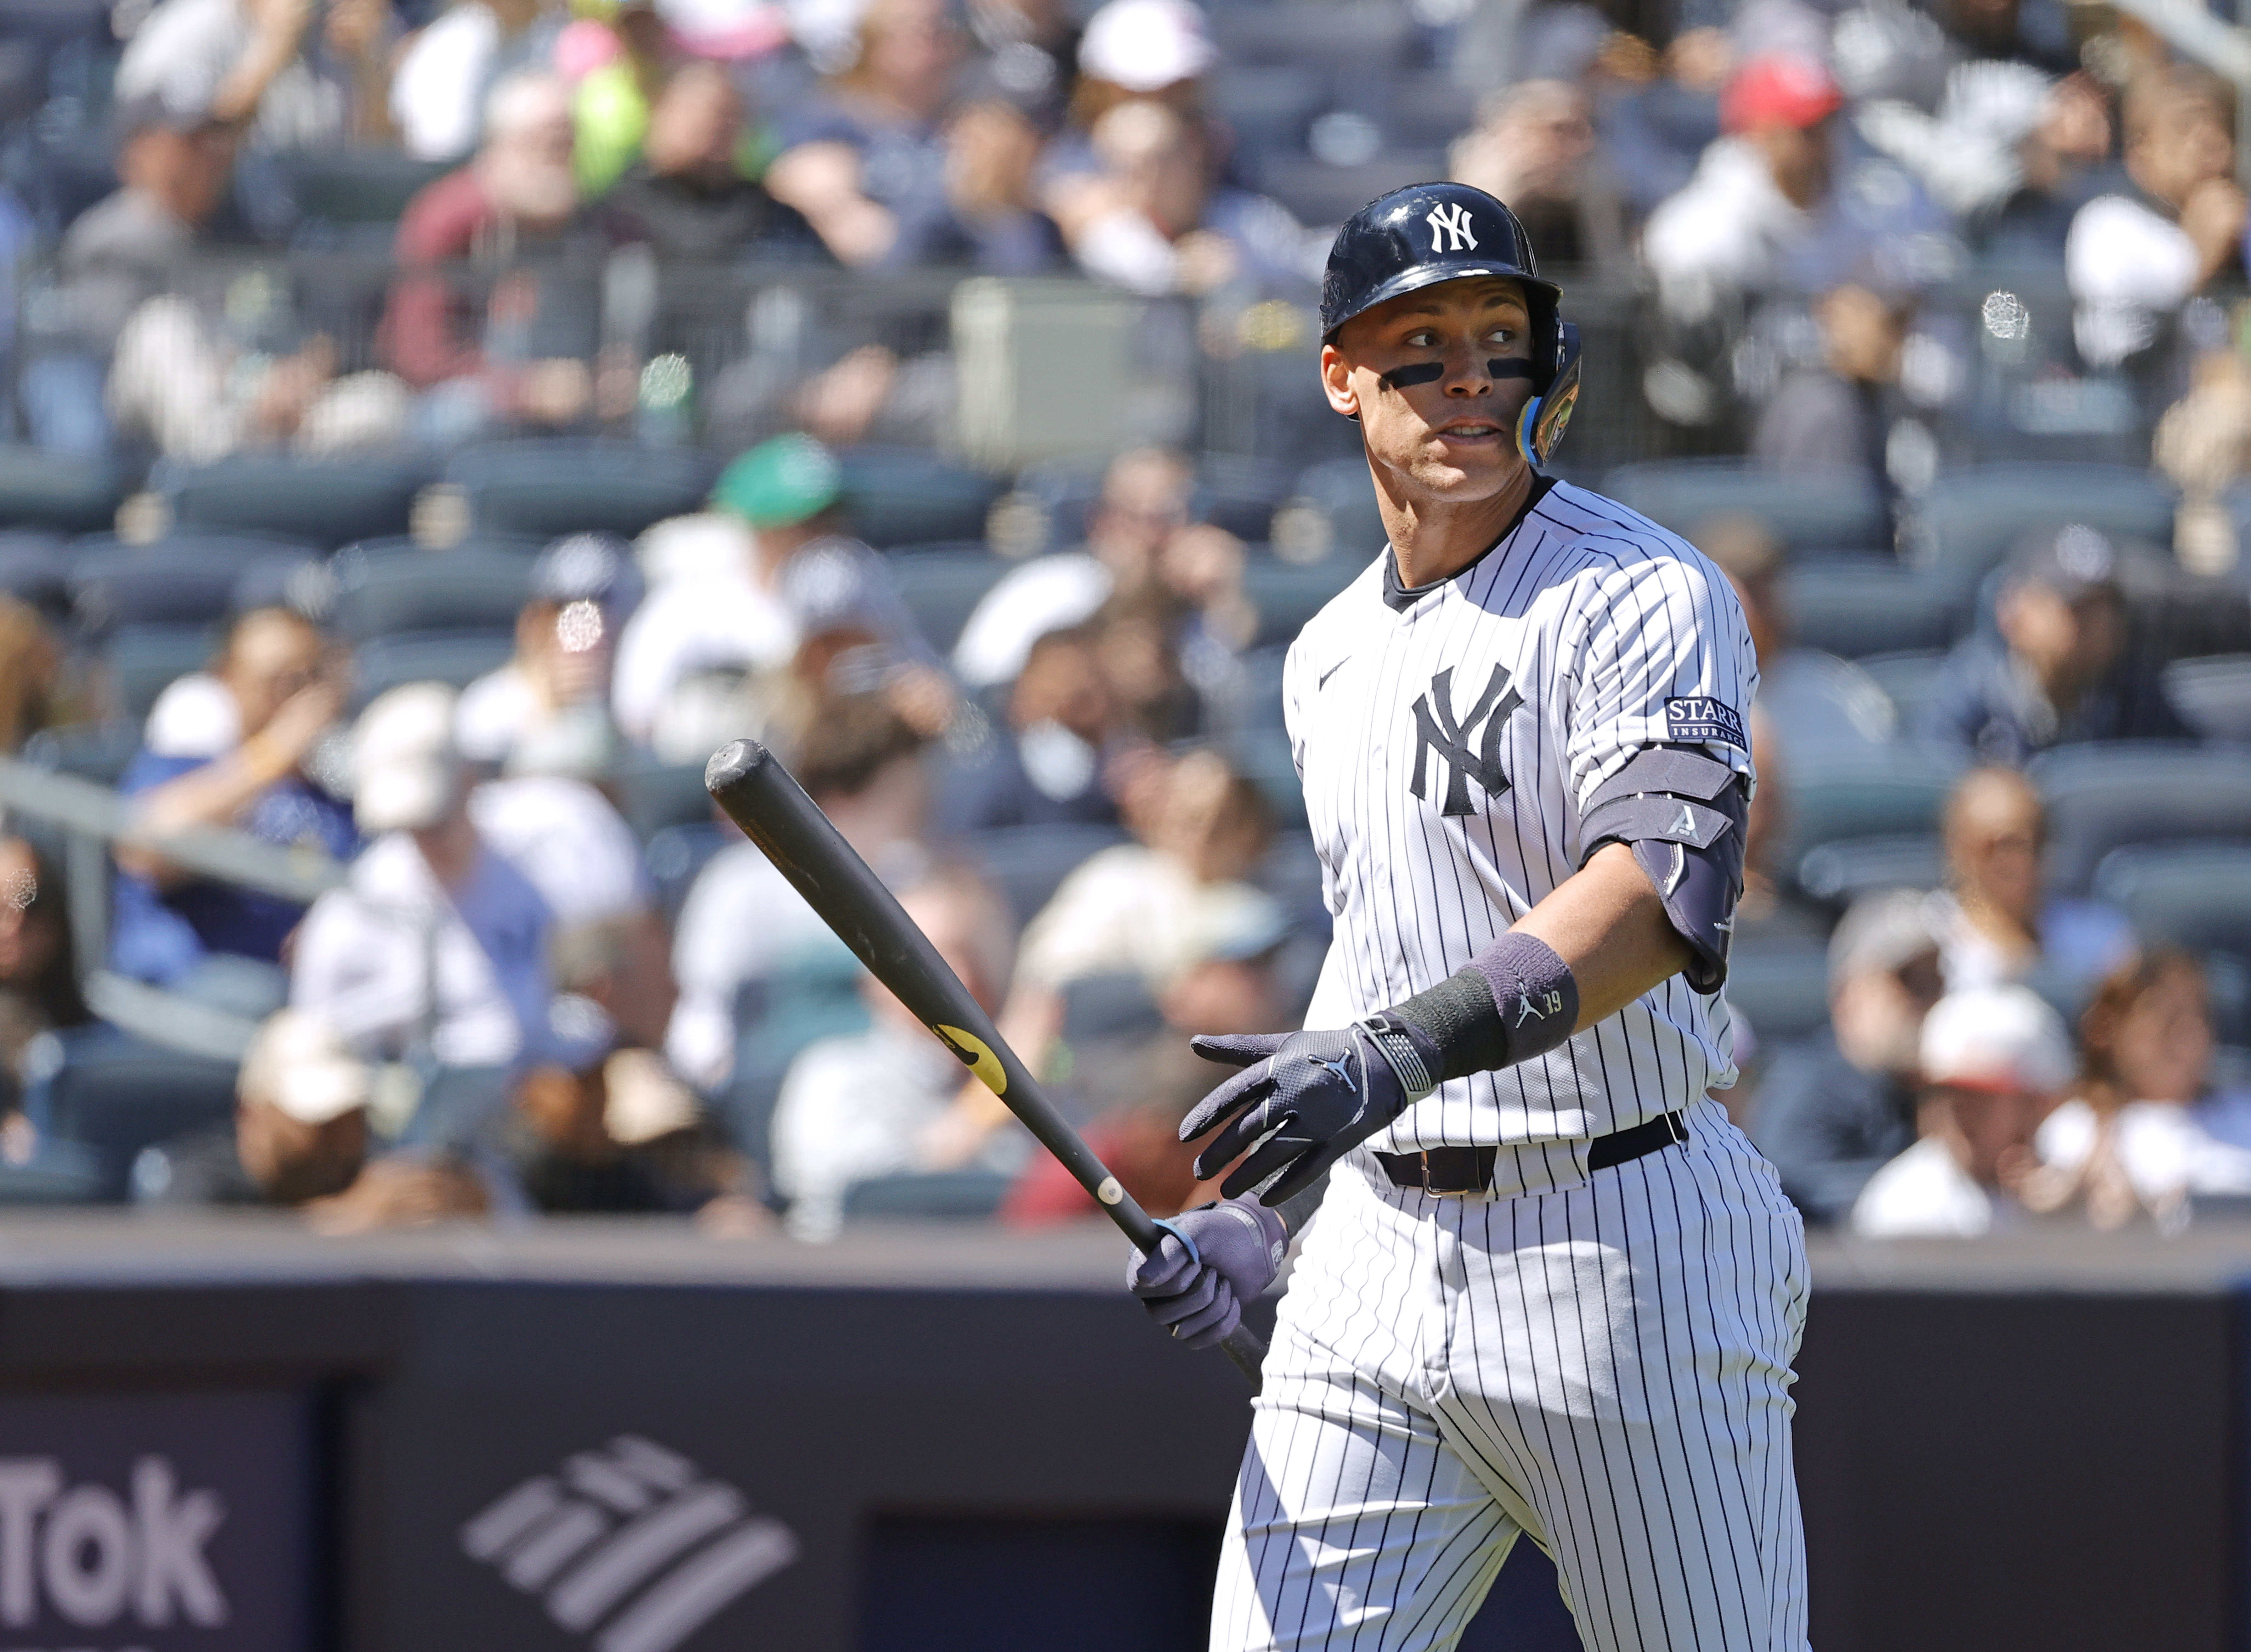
[[1450, 229]]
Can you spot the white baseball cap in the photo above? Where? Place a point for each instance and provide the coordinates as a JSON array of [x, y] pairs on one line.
[[405, 769], [1995, 1038], [298, 1063], [1145, 45]]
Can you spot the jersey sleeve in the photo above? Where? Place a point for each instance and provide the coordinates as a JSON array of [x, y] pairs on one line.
[[1293, 672], [1661, 656]]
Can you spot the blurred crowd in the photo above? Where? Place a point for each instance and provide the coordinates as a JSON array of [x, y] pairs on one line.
[[1923, 322], [1861, 234], [502, 1008]]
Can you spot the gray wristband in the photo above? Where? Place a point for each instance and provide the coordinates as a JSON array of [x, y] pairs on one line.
[[1514, 1000]]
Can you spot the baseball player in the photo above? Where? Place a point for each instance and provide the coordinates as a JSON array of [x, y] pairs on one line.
[[1553, 1292]]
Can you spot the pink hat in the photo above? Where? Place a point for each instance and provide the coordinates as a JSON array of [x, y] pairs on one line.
[[583, 46]]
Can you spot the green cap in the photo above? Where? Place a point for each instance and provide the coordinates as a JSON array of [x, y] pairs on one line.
[[778, 484]]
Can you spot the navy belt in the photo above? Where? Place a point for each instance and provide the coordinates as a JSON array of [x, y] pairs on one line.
[[1469, 1170]]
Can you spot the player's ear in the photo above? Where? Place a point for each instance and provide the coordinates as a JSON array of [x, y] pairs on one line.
[[1336, 382]]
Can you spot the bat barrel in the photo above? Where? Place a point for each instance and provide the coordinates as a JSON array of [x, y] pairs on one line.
[[761, 796]]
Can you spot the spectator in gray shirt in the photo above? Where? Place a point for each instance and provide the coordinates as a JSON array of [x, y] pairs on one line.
[[2057, 670], [1836, 1107]]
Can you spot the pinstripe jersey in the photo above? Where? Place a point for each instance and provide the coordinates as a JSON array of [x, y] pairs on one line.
[[1446, 749]]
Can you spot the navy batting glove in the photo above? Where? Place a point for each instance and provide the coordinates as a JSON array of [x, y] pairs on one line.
[[1198, 1295], [1304, 1100]]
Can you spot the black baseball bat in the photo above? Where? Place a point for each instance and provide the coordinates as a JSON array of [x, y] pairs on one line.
[[764, 798]]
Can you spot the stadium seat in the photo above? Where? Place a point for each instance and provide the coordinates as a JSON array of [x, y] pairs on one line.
[[946, 1195], [458, 658], [1430, 108], [356, 185], [1263, 756], [63, 1173], [1239, 495], [459, 1107], [65, 174], [114, 1095], [186, 578], [1814, 702], [1780, 987], [1259, 705], [1811, 515], [548, 488], [2101, 797], [1841, 873], [1068, 490], [1288, 594], [326, 502], [1890, 792], [1028, 864], [99, 752], [59, 491], [1364, 43], [2192, 894], [1318, 193], [1097, 1006], [941, 589], [1230, 491], [2212, 696], [656, 796], [1291, 872], [1911, 680], [400, 544], [903, 495], [141, 661], [1269, 108], [817, 997], [35, 571], [429, 591], [1858, 606], [1970, 519], [938, 547], [1340, 490]]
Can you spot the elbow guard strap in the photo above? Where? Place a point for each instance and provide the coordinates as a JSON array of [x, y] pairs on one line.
[[1683, 815]]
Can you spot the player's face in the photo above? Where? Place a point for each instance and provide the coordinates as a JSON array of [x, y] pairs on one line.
[[1447, 434]]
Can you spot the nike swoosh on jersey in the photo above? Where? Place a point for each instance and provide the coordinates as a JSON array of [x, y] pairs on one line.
[[1331, 672]]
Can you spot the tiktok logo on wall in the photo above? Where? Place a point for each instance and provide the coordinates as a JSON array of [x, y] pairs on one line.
[[87, 1556], [629, 1545]]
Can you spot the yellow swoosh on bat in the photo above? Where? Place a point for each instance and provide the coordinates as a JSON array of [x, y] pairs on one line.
[[977, 1055]]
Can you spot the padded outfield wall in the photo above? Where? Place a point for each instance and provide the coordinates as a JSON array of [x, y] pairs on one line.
[[227, 1435]]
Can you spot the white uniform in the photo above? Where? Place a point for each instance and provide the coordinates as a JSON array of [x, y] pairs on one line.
[[1600, 1361]]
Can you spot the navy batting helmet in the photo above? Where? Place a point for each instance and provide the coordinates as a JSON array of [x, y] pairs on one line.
[[1427, 233]]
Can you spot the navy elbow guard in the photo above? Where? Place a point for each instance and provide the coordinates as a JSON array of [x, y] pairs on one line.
[[1683, 815]]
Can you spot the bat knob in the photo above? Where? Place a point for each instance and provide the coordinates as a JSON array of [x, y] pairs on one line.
[[732, 762]]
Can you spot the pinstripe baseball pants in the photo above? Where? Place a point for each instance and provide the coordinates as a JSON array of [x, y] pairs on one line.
[[1603, 1366]]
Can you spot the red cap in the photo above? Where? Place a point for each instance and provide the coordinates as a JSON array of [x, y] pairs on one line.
[[1779, 89]]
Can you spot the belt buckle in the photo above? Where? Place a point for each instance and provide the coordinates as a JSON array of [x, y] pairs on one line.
[[1436, 1192]]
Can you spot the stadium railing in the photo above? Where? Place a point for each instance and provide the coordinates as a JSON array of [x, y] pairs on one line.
[[90, 819]]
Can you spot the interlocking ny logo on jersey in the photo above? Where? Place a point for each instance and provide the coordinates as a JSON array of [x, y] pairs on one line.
[[1450, 229], [1437, 731], [629, 1545]]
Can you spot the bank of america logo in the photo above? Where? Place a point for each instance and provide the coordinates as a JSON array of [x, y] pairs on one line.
[[629, 1544]]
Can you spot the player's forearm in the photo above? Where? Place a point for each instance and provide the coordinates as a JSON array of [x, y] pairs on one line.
[[1607, 924], [1598, 942]]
